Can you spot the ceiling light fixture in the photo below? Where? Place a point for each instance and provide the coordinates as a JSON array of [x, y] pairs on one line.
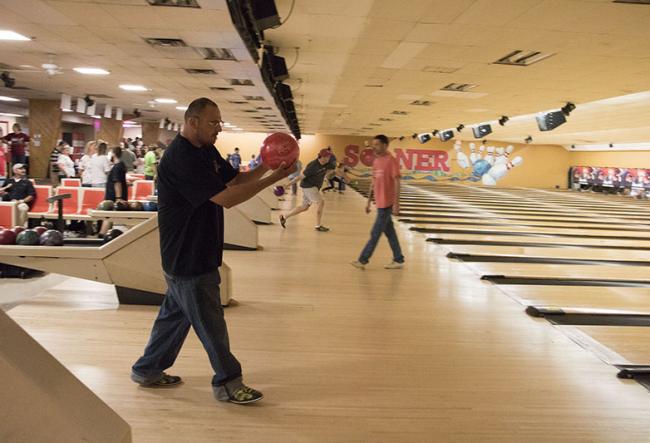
[[11, 35], [91, 71], [165, 100], [181, 108], [8, 99], [133, 88]]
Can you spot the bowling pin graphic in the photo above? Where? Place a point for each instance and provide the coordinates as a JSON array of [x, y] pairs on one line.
[[490, 155], [481, 150], [473, 156], [498, 155], [488, 180], [498, 171], [461, 158]]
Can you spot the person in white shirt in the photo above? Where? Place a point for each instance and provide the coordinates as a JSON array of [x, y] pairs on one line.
[[84, 163], [66, 165], [99, 166]]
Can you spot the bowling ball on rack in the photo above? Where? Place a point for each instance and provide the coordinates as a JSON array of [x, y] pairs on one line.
[[278, 191], [135, 206], [40, 230], [111, 235], [18, 229], [51, 237], [121, 205], [28, 237], [149, 206], [278, 148], [106, 205], [7, 237]]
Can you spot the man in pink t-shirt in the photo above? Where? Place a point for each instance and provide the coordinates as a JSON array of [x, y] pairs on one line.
[[386, 187]]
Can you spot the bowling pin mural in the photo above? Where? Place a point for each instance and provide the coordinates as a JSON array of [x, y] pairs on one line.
[[461, 158], [481, 150], [473, 156], [499, 171], [498, 155], [488, 180], [490, 155]]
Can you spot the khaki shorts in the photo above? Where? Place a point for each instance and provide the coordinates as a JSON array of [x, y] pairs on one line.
[[311, 196]]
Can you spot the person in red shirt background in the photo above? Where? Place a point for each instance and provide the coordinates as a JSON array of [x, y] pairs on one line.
[[386, 187], [17, 142]]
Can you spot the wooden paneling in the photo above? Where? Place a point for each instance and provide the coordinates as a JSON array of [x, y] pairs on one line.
[[45, 131]]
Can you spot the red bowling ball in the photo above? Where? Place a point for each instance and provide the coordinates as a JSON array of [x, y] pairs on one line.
[[40, 230], [278, 148], [17, 229], [7, 237]]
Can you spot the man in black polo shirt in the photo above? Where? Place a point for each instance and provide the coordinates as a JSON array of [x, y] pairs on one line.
[[194, 185], [19, 189]]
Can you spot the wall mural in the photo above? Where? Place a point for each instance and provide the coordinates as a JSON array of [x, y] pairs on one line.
[[632, 181], [487, 164]]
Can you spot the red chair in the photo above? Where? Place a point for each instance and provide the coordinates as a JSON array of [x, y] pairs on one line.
[[141, 189], [70, 182], [90, 199], [70, 205], [8, 214], [41, 205]]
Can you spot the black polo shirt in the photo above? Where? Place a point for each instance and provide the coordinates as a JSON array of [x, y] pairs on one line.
[[190, 225], [19, 190], [117, 175]]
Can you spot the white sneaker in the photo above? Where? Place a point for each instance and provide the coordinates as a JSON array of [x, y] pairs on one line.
[[358, 265], [394, 265]]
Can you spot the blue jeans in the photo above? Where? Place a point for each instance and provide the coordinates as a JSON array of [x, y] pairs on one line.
[[383, 224], [196, 302]]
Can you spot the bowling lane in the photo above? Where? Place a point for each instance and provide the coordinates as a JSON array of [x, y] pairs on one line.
[[586, 298], [639, 274], [561, 242], [506, 230], [484, 253], [530, 223], [573, 218], [631, 343]]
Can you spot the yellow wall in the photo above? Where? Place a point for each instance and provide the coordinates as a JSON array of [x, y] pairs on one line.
[[616, 159], [544, 166]]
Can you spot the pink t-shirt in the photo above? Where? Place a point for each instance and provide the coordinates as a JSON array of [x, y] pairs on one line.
[[3, 162], [385, 169]]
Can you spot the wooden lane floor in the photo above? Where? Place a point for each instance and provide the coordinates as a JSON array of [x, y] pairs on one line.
[[533, 207], [578, 224], [463, 210], [582, 299], [620, 346], [554, 274], [428, 215], [348, 355], [479, 253], [507, 230], [543, 241]]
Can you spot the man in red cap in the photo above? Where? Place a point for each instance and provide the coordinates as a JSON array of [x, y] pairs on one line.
[[312, 180]]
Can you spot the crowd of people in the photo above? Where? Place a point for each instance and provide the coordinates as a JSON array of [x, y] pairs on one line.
[[98, 167]]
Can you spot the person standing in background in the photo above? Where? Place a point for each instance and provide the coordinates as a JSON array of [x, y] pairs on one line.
[[99, 167], [17, 142], [150, 161], [128, 158], [84, 164], [235, 159], [65, 163]]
